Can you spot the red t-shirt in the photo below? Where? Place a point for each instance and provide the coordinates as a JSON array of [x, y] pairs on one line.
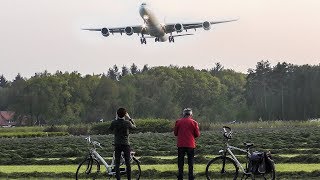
[[187, 130]]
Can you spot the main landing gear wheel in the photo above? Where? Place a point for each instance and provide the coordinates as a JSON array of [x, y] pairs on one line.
[[156, 39], [171, 39], [143, 40]]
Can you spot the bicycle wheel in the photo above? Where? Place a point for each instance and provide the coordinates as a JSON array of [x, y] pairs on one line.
[[135, 169], [221, 168], [271, 175], [88, 169]]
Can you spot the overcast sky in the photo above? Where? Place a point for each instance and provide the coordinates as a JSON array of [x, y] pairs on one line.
[[38, 35]]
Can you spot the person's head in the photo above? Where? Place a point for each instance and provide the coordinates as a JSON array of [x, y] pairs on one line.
[[121, 112], [187, 112]]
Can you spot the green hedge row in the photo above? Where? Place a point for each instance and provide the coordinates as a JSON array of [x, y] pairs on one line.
[[199, 159], [31, 134], [143, 125]]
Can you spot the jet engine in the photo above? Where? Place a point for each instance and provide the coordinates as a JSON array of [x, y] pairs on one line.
[[178, 27], [105, 32], [206, 25], [128, 30]]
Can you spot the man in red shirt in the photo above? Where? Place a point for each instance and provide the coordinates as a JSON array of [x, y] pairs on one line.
[[186, 129]]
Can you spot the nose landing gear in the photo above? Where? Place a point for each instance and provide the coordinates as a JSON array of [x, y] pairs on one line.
[[143, 40], [171, 39]]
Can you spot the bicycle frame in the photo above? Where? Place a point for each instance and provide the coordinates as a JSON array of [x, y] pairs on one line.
[[232, 166], [95, 155], [229, 149], [100, 158]]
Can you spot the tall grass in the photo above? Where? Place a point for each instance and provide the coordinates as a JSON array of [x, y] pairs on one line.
[[265, 124], [150, 125], [22, 129]]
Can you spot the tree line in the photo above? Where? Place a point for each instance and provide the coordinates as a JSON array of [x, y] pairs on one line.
[[282, 92]]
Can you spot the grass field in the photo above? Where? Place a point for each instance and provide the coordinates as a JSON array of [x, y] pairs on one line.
[[159, 167], [169, 170], [295, 147]]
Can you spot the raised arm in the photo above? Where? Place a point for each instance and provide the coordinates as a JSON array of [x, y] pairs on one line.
[[196, 130], [176, 128], [132, 124]]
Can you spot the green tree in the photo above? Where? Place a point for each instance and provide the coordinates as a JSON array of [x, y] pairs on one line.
[[3, 82], [134, 69]]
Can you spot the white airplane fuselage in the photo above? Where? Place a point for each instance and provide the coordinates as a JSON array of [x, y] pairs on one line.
[[153, 28], [152, 24]]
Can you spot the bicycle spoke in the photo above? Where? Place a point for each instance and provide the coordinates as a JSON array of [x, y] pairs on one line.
[[135, 169], [216, 170], [88, 169]]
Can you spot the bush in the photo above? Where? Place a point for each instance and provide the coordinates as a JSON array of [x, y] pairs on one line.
[[154, 125], [80, 129], [31, 134], [54, 128], [101, 128], [143, 125]]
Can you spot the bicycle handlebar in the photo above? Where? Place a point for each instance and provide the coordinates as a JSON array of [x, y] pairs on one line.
[[94, 143], [227, 132]]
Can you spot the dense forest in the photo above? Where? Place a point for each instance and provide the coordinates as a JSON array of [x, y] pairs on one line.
[[280, 92]]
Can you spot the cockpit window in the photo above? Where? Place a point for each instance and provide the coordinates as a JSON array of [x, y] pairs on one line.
[[143, 4]]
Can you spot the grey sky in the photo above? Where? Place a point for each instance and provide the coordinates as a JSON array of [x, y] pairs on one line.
[[38, 35]]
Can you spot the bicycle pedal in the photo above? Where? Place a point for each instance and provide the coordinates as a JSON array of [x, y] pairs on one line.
[[122, 169]]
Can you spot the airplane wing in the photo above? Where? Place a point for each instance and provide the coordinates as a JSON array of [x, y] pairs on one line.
[[185, 26], [128, 29], [176, 35]]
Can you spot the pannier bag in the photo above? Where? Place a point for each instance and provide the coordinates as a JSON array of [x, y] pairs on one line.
[[260, 163], [269, 162], [257, 163]]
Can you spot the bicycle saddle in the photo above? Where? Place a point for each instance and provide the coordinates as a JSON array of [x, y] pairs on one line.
[[248, 145]]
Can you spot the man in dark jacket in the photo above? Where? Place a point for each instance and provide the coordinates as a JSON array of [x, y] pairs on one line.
[[120, 127], [186, 129]]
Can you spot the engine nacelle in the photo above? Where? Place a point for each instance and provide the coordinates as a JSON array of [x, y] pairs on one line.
[[105, 32], [178, 27], [128, 30], [206, 25]]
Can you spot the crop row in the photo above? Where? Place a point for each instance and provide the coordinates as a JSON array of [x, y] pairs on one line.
[[278, 141], [150, 160], [146, 125]]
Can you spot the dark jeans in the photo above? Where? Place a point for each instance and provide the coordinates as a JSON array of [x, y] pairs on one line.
[[181, 153], [126, 153]]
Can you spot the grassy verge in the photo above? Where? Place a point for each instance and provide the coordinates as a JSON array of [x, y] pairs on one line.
[[198, 168], [163, 170]]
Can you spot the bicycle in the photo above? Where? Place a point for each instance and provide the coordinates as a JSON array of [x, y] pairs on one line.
[[89, 168], [226, 166]]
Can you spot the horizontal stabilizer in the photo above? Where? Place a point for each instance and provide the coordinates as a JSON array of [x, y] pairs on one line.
[[92, 29], [182, 35]]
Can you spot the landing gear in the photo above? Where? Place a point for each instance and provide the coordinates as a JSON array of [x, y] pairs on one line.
[[156, 39], [171, 39], [143, 40]]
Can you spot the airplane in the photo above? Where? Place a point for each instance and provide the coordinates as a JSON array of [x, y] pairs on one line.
[[155, 29]]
